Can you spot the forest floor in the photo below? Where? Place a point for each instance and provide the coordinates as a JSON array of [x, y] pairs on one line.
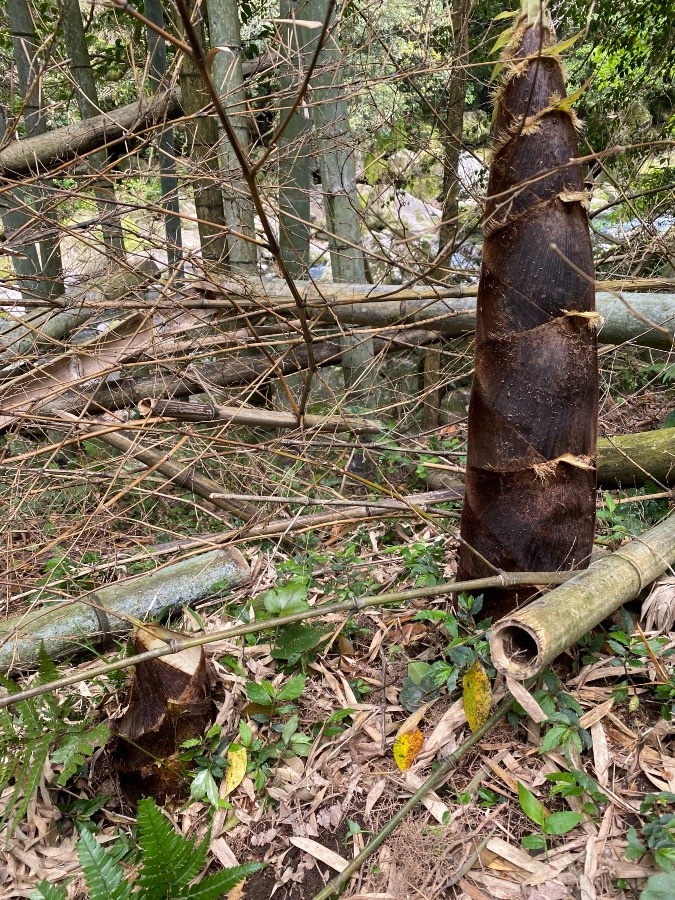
[[321, 779]]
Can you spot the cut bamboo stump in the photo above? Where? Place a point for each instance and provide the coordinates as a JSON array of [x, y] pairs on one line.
[[169, 702], [525, 642], [69, 626]]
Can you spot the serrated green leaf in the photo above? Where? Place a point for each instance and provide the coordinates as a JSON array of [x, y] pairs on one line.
[[260, 693], [561, 822], [659, 887], [294, 640], [293, 688], [533, 809], [104, 877], [665, 858], [553, 738]]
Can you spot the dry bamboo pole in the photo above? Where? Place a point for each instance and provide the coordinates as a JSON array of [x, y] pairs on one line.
[[630, 460], [526, 641], [647, 318], [183, 475], [37, 155], [504, 580], [68, 626], [44, 333], [254, 418], [226, 373]]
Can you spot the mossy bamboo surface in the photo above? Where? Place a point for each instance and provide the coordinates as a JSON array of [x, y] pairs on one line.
[[68, 626], [530, 478], [631, 460], [525, 642]]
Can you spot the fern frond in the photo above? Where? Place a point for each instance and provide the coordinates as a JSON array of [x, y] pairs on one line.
[[77, 746], [170, 861], [213, 887], [47, 891], [26, 782], [104, 876]]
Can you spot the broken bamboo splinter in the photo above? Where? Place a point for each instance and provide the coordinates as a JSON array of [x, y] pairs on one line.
[[523, 643], [66, 627], [254, 418]]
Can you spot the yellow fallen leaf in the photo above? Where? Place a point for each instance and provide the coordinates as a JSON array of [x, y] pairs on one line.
[[477, 696], [237, 761], [406, 748]]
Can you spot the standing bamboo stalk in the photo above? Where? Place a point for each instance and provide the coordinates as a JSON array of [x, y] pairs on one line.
[[204, 155], [228, 77], [330, 117], [530, 482], [29, 72], [165, 146], [294, 144], [86, 96]]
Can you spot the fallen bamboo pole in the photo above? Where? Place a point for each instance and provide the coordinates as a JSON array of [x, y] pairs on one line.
[[505, 580], [630, 460], [254, 418], [185, 475], [69, 626], [648, 318], [526, 641], [36, 155]]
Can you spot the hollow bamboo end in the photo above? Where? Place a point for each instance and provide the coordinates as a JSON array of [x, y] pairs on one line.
[[146, 406], [515, 649]]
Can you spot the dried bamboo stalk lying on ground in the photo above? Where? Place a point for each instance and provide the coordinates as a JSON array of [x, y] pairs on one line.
[[128, 392], [183, 474], [45, 331], [68, 626], [254, 418], [526, 641], [647, 318]]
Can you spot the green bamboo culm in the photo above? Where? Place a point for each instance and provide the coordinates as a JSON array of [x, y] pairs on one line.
[[531, 470]]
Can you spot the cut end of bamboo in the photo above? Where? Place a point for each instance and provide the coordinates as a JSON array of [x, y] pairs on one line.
[[515, 649]]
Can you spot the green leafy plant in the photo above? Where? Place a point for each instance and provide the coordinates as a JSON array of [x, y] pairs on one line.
[[35, 730], [549, 823], [657, 834], [169, 863], [576, 783]]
